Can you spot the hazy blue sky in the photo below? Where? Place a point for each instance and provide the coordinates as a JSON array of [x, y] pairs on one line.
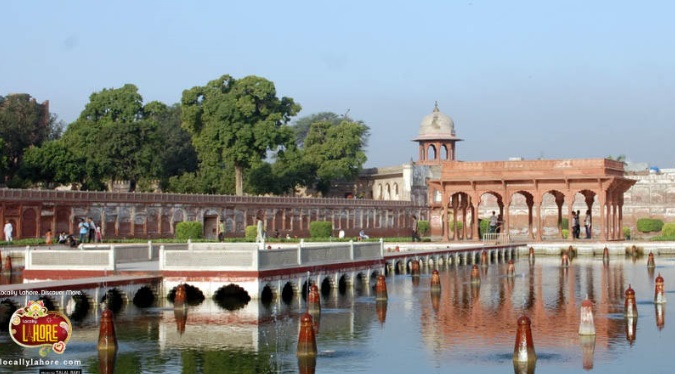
[[551, 79]]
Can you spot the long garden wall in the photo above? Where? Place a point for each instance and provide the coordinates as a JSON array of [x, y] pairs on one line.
[[155, 215]]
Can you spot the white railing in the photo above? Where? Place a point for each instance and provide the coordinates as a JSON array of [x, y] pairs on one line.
[[47, 259], [203, 256], [247, 256], [497, 238]]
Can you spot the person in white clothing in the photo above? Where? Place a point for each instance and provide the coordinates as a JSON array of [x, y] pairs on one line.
[[494, 221], [9, 229], [259, 234]]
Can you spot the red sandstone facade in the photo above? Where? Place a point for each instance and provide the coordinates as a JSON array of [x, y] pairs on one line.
[[155, 215], [457, 195]]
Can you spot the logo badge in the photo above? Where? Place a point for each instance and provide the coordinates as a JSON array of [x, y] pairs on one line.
[[36, 327]]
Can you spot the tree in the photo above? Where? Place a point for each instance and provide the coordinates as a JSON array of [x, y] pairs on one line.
[[23, 123], [288, 171], [116, 138], [177, 154], [335, 151], [53, 163], [236, 122], [3, 160], [302, 125]]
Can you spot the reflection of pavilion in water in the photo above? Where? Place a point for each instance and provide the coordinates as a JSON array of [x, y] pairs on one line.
[[257, 327], [548, 294]]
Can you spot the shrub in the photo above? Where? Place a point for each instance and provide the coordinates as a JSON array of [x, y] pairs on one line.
[[649, 225], [626, 232], [484, 227], [668, 230], [451, 226], [565, 222], [189, 230], [250, 232], [423, 227], [565, 233], [320, 229]]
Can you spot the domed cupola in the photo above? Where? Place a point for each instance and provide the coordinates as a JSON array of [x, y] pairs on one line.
[[436, 138]]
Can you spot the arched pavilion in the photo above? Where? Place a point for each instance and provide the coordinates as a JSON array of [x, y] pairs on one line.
[[457, 189]]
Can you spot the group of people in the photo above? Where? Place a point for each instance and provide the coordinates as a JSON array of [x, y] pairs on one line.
[[576, 224], [88, 231]]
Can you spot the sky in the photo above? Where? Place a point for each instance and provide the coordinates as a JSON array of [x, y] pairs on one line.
[[534, 79]]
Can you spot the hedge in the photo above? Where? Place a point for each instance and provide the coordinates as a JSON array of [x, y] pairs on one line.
[[484, 227], [451, 226], [668, 230], [251, 232], [320, 229], [189, 230], [423, 227], [649, 225]]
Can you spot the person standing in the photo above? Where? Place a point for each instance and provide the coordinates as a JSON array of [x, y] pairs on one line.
[[92, 230], [99, 234], [494, 221], [49, 238], [221, 232], [259, 234], [9, 230], [415, 229], [83, 229], [587, 224]]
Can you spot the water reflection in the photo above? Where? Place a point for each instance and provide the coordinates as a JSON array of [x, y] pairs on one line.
[[660, 316], [587, 343]]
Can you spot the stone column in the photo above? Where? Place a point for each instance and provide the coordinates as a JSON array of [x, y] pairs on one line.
[[465, 204], [506, 216], [570, 219], [537, 202], [530, 202], [455, 229], [602, 200], [476, 226]]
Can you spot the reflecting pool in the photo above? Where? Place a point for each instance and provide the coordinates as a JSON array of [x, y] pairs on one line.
[[467, 327]]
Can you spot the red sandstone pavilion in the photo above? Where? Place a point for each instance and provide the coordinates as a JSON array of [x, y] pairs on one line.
[[531, 196], [455, 196]]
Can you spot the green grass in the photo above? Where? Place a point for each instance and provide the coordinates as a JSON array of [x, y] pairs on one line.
[[663, 238]]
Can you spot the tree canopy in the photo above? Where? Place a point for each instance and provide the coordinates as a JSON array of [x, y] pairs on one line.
[[23, 123], [115, 138], [327, 147], [335, 151], [202, 145], [236, 123]]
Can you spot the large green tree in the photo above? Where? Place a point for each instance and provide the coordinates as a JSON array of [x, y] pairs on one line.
[[236, 123], [23, 123], [335, 151], [116, 138], [177, 155], [54, 163], [301, 125], [3, 160], [327, 147]]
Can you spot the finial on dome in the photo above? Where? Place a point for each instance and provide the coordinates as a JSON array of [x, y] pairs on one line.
[[436, 106]]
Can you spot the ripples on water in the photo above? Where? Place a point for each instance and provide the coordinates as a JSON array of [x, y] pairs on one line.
[[465, 328]]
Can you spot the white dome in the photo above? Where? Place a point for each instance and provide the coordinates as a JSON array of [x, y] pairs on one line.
[[436, 125]]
